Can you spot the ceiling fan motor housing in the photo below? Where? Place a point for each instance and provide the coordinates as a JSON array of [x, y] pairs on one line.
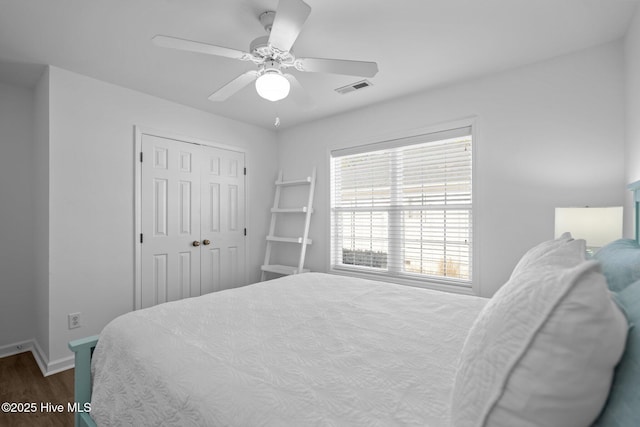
[[260, 46]]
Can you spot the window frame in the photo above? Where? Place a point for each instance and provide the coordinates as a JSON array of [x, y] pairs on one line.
[[417, 280]]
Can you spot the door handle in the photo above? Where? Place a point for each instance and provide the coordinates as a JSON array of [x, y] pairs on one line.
[[206, 242], [196, 243]]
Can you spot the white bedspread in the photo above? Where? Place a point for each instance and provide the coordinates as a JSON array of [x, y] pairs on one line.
[[304, 350]]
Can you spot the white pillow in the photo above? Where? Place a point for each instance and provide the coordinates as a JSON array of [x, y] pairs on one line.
[[540, 250], [543, 350]]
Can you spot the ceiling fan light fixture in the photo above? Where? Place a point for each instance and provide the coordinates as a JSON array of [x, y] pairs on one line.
[[273, 86]]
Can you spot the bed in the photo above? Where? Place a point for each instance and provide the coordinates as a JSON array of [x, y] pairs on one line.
[[552, 347], [309, 349]]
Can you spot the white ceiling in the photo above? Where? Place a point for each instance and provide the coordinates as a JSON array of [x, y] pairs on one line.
[[418, 44]]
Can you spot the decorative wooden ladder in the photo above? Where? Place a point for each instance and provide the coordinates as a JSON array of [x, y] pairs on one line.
[[303, 241]]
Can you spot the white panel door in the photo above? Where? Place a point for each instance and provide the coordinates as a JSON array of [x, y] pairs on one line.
[[192, 220], [223, 254], [170, 187]]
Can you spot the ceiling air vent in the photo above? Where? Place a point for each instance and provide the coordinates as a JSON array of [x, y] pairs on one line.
[[354, 86]]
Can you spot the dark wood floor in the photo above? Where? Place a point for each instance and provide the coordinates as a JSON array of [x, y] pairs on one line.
[[21, 381]]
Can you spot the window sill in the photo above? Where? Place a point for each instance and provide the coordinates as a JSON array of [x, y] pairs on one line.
[[433, 284]]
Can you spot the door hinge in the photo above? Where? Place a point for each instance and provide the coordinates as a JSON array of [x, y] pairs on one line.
[[245, 231], [245, 171], [141, 157], [141, 238]]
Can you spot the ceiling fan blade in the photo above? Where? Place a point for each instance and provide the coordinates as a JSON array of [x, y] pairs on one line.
[[209, 49], [298, 93], [290, 17], [233, 86], [337, 66]]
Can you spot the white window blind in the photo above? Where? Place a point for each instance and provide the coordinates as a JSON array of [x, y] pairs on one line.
[[403, 208]]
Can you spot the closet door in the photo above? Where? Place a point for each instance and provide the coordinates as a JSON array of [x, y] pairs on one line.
[[170, 205], [223, 251], [192, 215]]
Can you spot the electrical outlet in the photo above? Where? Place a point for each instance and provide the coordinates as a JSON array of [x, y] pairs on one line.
[[74, 320]]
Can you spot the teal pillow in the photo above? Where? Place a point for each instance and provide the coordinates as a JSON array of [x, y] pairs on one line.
[[620, 263], [623, 405]]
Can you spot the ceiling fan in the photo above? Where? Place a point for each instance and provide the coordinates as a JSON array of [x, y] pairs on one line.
[[272, 54]]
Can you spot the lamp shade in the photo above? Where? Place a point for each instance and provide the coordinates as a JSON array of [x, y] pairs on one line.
[[273, 86], [598, 226]]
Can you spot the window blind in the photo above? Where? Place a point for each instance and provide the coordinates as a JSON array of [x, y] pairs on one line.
[[404, 207]]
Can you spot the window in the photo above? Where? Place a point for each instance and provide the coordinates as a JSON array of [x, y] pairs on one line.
[[402, 208]]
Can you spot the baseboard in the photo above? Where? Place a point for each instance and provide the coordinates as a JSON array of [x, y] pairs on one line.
[[46, 367], [60, 365], [15, 348], [51, 367], [41, 358]]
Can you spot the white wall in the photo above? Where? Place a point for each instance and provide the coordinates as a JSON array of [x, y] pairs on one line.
[[632, 81], [549, 134], [17, 237], [92, 194]]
